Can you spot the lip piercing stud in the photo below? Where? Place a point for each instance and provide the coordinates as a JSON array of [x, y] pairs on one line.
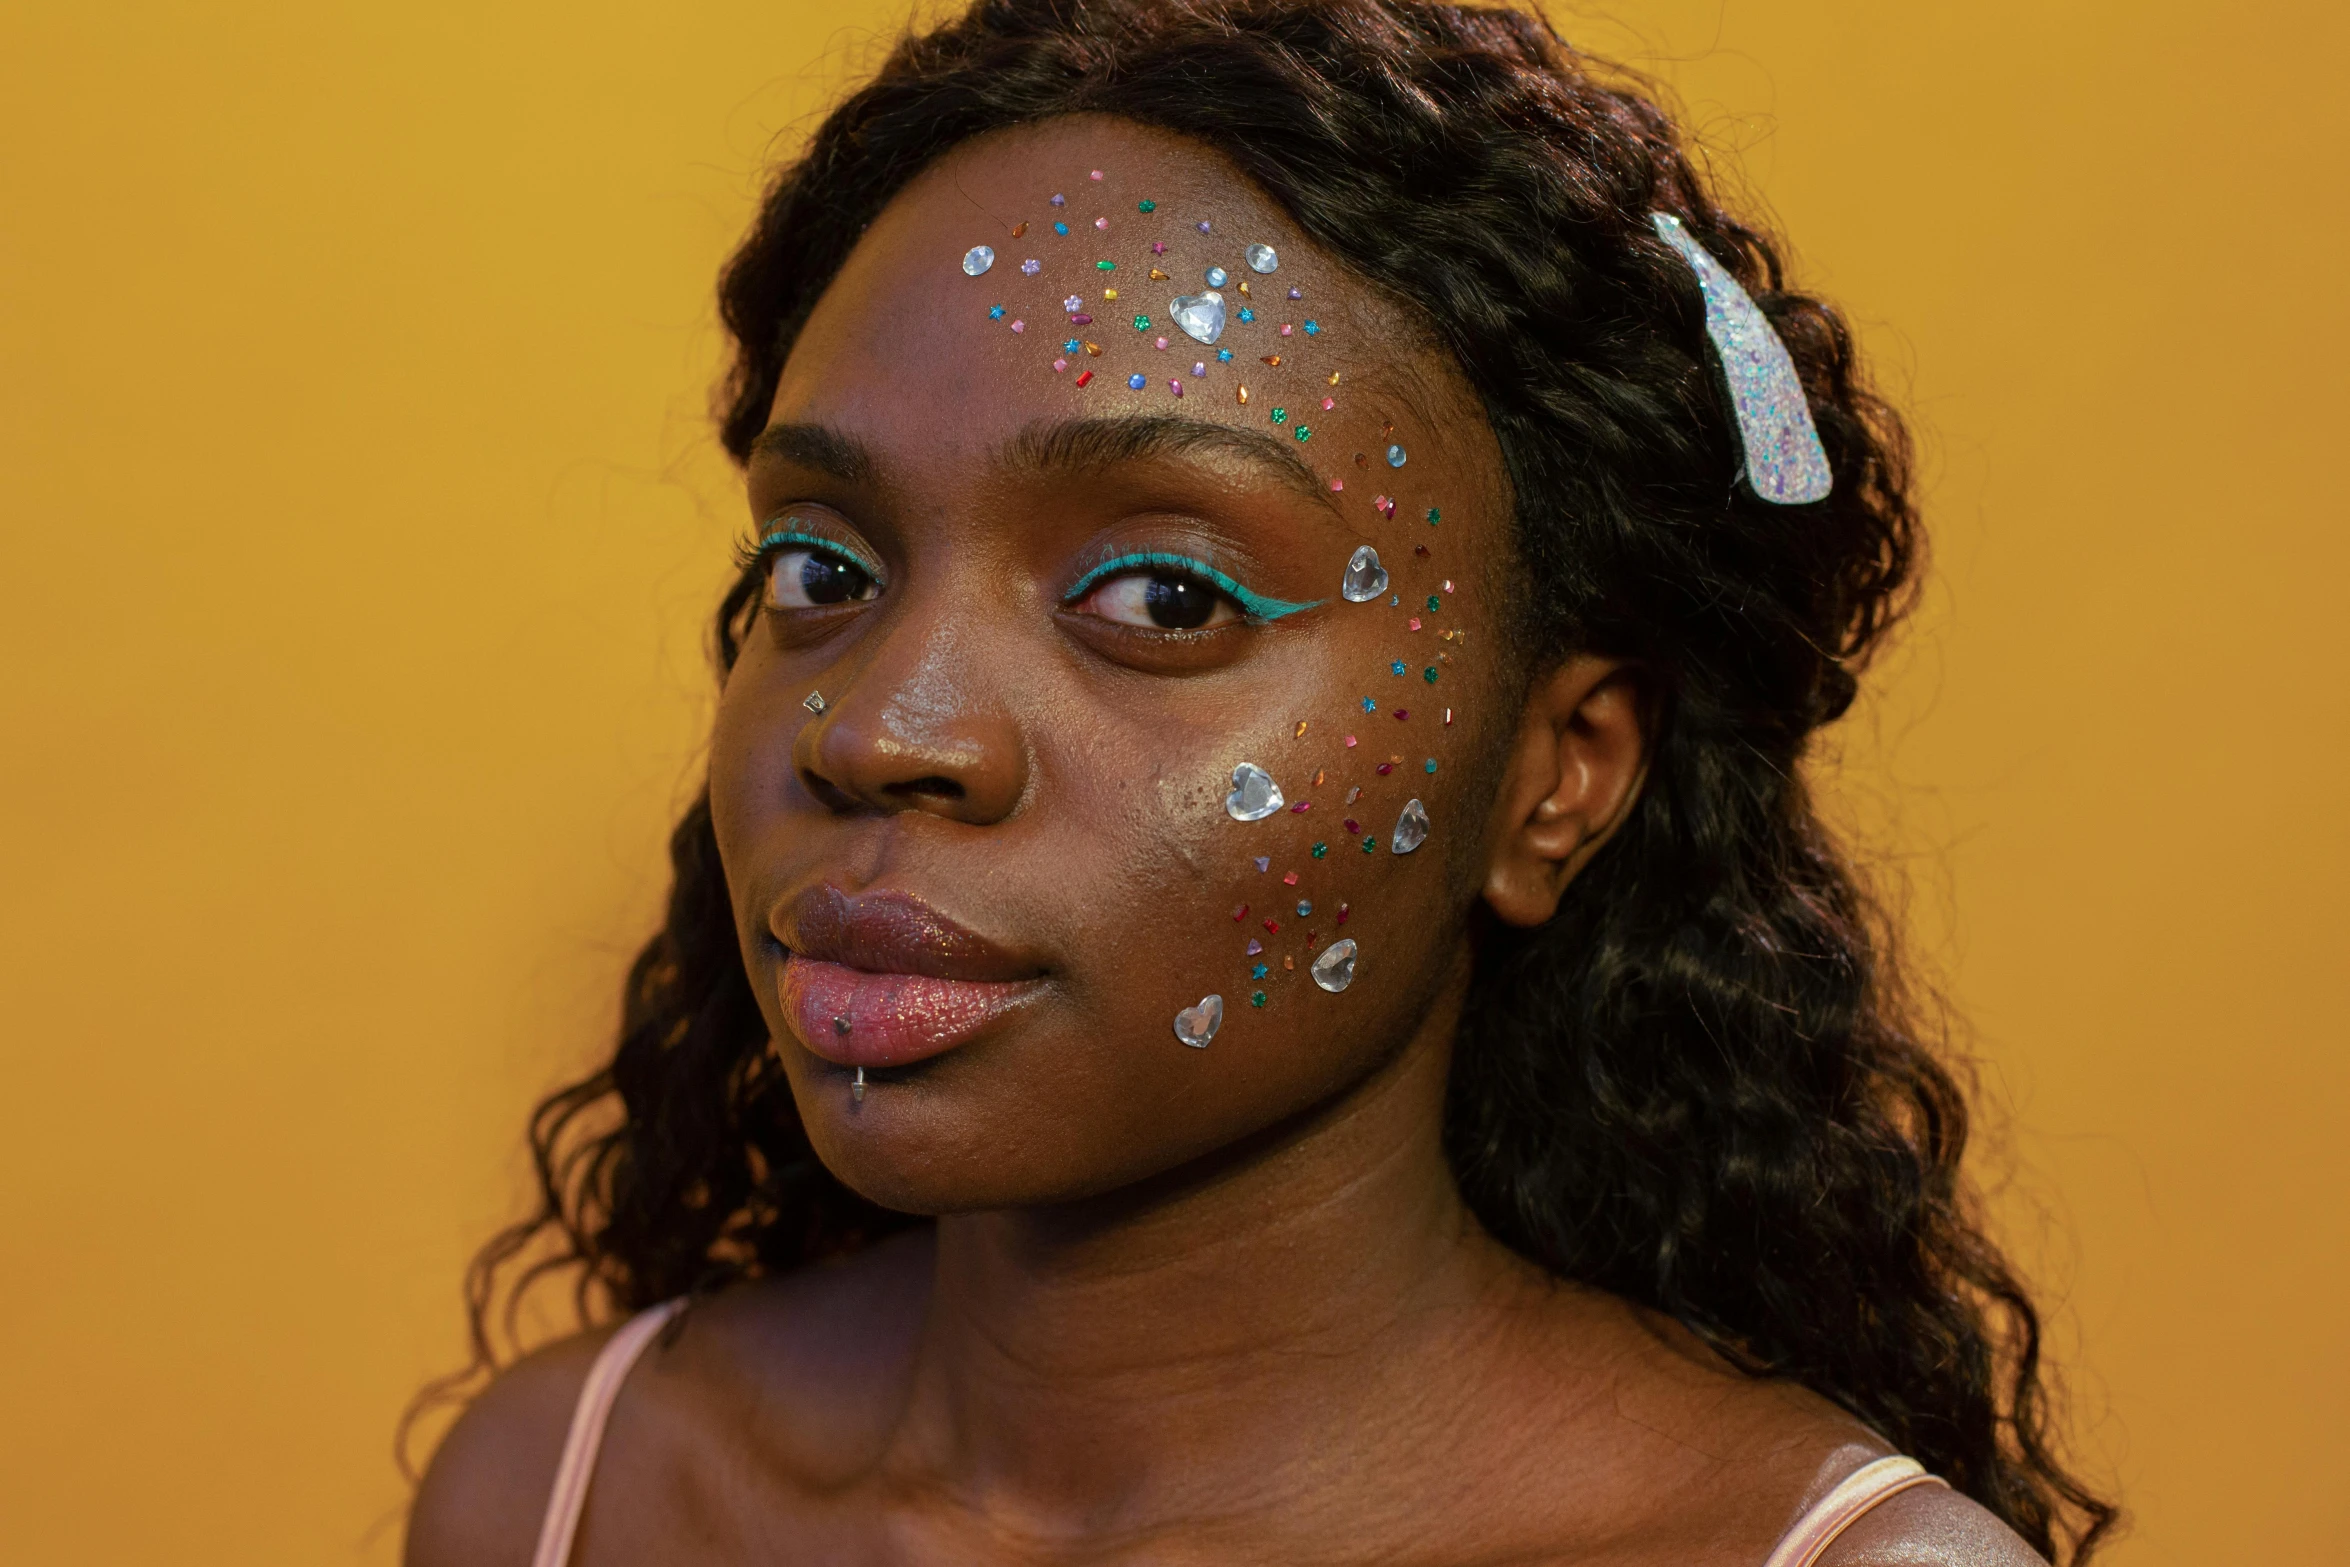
[[857, 1088], [814, 702]]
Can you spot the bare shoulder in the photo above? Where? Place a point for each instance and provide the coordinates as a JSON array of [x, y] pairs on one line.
[[486, 1488], [796, 1368], [1930, 1526]]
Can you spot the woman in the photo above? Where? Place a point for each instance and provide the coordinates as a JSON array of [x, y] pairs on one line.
[[1256, 979]]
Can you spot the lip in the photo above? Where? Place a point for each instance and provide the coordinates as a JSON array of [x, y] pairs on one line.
[[883, 979]]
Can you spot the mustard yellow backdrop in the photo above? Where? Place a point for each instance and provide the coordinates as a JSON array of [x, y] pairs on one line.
[[358, 516]]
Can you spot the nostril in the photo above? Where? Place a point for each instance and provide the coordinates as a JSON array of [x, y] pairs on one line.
[[933, 787]]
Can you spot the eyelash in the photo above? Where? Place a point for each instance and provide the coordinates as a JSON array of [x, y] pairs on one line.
[[1254, 606], [751, 553]]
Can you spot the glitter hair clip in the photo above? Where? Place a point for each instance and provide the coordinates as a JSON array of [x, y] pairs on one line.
[[1784, 459]]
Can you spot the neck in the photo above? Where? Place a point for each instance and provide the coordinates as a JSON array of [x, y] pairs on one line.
[[1180, 1339]]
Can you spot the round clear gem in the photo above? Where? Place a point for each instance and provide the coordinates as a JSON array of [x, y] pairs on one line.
[[1263, 258], [977, 260], [1218, 277], [1395, 456]]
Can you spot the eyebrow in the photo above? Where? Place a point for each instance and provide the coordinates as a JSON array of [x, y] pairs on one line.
[[819, 447], [1061, 446], [1080, 445]]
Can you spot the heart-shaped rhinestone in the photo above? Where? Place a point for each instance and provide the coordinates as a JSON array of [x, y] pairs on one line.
[[1254, 795], [1365, 578], [1334, 970], [1200, 315], [1195, 1026]]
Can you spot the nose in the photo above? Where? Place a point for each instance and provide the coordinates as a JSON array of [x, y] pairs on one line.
[[921, 726]]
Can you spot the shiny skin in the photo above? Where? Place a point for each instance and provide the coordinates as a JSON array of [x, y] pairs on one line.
[[1180, 1305]]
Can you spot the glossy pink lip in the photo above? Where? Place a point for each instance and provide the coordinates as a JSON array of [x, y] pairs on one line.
[[884, 979]]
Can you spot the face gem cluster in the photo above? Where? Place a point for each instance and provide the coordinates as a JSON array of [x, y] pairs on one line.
[[1232, 299]]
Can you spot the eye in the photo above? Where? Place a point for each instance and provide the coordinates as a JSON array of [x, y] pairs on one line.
[[802, 578], [1162, 597]]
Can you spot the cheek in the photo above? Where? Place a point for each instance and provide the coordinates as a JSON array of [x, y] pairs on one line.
[[1339, 839]]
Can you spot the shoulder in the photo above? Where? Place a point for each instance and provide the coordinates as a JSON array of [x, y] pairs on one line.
[[800, 1368], [1930, 1526], [486, 1489]]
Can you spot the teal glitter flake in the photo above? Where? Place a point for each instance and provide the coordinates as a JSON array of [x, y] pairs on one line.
[[1247, 314], [1321, 849], [1370, 846], [1434, 517], [1281, 416], [1434, 602], [995, 312], [1061, 229], [1396, 667], [1431, 673], [1256, 998], [1313, 329], [1305, 432], [1432, 764], [1370, 706], [1259, 971], [1304, 908], [1071, 346], [1224, 356], [1105, 266], [1146, 206], [1142, 323]]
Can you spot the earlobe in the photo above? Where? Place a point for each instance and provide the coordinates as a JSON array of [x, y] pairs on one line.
[[1575, 769]]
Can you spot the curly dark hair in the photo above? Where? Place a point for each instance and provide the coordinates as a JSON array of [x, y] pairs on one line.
[[1701, 1085]]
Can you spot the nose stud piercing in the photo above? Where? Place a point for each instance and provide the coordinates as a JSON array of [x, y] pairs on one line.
[[814, 702]]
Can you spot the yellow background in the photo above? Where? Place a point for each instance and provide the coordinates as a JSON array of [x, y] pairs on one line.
[[358, 517]]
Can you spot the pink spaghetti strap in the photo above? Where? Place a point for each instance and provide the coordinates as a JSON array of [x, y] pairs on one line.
[[568, 1500], [1842, 1507]]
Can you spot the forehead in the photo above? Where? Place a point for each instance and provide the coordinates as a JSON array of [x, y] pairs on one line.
[[907, 338]]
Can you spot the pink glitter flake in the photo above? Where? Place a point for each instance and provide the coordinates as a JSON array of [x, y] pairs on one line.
[[1350, 742], [1337, 485], [1101, 223], [1097, 174], [1158, 247], [1240, 914], [1301, 807], [1060, 365], [1289, 879], [1019, 326], [1402, 713], [1287, 330], [1176, 387], [1162, 342], [1329, 403], [1413, 624]]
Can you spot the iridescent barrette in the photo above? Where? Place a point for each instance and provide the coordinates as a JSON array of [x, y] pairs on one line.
[[1784, 460]]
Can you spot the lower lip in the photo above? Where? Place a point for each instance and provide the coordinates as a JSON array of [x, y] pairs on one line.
[[891, 1018]]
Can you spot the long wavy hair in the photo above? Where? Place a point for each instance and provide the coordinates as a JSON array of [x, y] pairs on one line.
[[1701, 1085]]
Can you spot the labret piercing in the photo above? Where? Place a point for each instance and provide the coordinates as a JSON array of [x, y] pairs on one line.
[[814, 702]]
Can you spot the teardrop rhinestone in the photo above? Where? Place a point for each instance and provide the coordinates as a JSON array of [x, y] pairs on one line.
[[1200, 315], [1195, 1026], [1263, 258], [1365, 578], [1411, 828], [1334, 970], [1254, 795], [977, 260], [1395, 457]]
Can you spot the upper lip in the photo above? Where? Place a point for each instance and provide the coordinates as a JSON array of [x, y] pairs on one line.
[[886, 932]]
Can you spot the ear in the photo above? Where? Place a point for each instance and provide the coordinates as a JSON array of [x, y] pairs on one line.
[[1574, 772]]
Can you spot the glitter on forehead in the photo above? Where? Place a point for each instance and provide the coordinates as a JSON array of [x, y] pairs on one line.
[[977, 260], [1031, 266], [1146, 206], [1060, 200], [1785, 462], [1061, 229], [1263, 258]]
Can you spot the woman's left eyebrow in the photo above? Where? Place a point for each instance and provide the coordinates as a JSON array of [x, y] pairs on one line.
[[1080, 445]]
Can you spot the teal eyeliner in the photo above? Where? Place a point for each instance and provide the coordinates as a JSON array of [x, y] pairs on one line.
[[1254, 605], [770, 541]]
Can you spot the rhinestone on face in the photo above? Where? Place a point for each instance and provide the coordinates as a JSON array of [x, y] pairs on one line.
[[1395, 456], [1061, 229], [1217, 277], [1201, 316], [1223, 356], [814, 702], [977, 260], [1246, 314], [1314, 329], [995, 312], [1060, 201], [1146, 206], [1263, 258], [1138, 381], [1411, 828], [1195, 1026], [1031, 266], [1364, 581], [1334, 970], [1254, 795]]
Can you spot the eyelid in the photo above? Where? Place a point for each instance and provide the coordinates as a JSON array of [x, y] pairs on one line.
[[773, 538], [1256, 606]]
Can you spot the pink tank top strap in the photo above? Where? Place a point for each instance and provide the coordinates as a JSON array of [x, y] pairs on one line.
[[568, 1500], [1841, 1508]]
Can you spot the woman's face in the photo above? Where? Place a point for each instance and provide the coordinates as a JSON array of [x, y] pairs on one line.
[[974, 773]]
